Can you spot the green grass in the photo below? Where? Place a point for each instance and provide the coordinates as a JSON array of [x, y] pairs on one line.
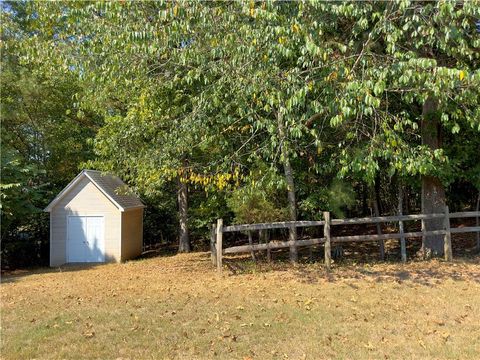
[[177, 307]]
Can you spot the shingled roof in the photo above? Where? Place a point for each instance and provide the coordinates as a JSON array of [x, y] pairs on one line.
[[110, 185]]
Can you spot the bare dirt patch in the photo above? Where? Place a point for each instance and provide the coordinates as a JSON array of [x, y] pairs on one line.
[[178, 307]]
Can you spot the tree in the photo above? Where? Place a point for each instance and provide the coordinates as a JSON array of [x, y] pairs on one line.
[[173, 80], [44, 137], [197, 94], [410, 72]]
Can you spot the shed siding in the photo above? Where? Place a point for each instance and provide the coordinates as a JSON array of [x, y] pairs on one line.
[[84, 199], [132, 233]]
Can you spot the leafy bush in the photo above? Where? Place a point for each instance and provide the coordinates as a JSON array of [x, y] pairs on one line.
[[253, 205]]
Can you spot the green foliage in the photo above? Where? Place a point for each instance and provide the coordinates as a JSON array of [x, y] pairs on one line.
[[337, 197], [252, 205], [44, 138], [19, 193], [400, 54], [259, 200], [195, 90]]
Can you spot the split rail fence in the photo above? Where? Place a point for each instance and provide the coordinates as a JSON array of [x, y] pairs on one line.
[[217, 231]]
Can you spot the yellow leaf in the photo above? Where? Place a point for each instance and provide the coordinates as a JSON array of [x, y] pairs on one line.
[[369, 346], [461, 75], [89, 334], [175, 10], [252, 12]]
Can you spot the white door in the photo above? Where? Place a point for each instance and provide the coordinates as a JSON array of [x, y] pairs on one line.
[[85, 239]]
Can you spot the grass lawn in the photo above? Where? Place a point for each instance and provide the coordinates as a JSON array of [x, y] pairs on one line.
[[177, 307]]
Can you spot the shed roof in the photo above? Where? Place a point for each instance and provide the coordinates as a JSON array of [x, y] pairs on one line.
[[110, 185]]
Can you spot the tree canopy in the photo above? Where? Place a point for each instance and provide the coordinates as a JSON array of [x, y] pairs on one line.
[[290, 107]]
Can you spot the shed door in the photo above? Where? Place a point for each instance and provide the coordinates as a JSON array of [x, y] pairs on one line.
[[85, 241]]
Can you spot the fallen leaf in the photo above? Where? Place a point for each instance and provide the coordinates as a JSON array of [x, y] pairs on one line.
[[369, 346], [445, 336], [89, 334]]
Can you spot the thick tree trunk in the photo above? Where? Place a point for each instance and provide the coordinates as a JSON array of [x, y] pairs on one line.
[[433, 192], [292, 203], [182, 196]]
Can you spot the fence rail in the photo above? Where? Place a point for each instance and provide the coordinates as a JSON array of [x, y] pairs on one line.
[[217, 231]]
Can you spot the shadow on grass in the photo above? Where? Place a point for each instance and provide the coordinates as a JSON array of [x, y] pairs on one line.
[[158, 251], [358, 264], [9, 276], [14, 275]]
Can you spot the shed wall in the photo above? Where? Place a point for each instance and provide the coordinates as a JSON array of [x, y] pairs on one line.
[[132, 233], [82, 200]]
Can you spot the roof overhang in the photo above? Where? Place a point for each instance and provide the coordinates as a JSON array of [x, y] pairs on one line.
[[75, 181]]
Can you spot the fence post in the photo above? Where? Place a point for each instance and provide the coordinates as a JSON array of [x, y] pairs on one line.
[[424, 230], [376, 212], [447, 240], [403, 248], [267, 241], [477, 209], [219, 244], [250, 242], [213, 250], [328, 246]]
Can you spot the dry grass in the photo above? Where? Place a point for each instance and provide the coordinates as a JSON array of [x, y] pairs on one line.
[[177, 307]]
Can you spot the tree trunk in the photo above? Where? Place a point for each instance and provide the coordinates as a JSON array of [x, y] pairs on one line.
[[406, 201], [365, 210], [182, 196], [433, 192], [403, 249], [292, 204], [378, 194], [477, 222], [375, 194]]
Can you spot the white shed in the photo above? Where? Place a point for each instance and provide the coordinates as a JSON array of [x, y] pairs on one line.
[[95, 218]]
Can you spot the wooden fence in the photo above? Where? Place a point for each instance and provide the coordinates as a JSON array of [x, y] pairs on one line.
[[217, 250]]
